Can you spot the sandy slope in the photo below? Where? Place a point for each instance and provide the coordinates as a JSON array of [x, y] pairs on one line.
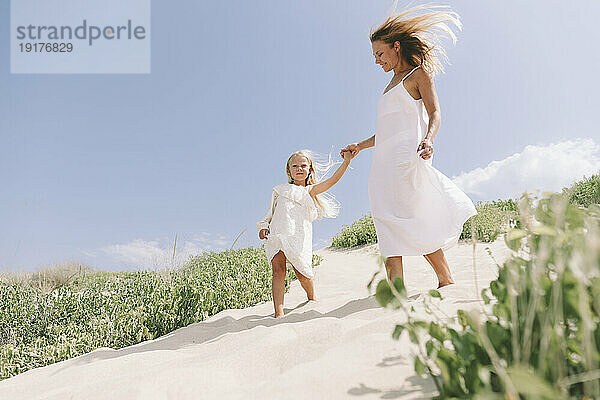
[[337, 348]]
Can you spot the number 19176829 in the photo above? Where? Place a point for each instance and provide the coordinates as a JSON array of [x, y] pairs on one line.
[[41, 47]]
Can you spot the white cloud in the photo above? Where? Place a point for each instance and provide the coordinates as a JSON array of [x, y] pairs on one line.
[[158, 253], [544, 168]]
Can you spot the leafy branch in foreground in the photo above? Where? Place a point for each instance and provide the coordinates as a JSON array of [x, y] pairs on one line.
[[539, 333]]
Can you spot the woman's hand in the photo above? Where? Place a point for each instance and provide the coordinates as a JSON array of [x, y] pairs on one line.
[[337, 175], [347, 155], [427, 146], [263, 234], [352, 148]]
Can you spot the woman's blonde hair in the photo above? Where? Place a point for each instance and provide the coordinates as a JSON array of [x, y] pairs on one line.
[[420, 35], [326, 204]]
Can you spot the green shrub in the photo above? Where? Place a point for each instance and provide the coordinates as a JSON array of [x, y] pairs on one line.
[[492, 219], [358, 233], [118, 309], [584, 192], [540, 338]]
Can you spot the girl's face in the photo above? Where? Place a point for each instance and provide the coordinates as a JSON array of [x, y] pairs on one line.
[[386, 55], [299, 168]]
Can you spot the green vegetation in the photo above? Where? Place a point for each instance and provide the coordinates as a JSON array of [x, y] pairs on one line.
[[492, 219], [56, 314], [539, 335], [584, 192], [539, 338], [358, 233]]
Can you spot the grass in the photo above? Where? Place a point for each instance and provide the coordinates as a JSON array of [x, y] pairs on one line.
[[62, 312], [549, 301], [492, 219], [361, 232], [539, 337], [584, 192]]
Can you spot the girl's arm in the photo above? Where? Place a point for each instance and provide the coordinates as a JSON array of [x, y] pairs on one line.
[[337, 175], [266, 221]]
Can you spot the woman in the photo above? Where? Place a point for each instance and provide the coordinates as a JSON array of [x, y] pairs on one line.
[[416, 209]]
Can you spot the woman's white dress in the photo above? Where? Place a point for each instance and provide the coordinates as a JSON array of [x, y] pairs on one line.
[[416, 209], [289, 220]]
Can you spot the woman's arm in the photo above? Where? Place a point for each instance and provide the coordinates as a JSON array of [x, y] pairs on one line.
[[432, 105], [337, 175], [365, 144], [354, 148], [430, 101]]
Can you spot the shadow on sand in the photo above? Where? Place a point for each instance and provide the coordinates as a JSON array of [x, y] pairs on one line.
[[425, 387], [202, 332]]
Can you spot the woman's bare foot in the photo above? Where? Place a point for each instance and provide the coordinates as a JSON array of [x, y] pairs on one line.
[[442, 284]]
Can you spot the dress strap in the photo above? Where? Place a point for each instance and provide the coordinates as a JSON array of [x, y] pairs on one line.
[[406, 76]]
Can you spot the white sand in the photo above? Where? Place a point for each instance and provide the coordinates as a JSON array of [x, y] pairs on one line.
[[337, 348]]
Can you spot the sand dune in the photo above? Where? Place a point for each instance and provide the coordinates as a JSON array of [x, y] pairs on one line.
[[337, 348]]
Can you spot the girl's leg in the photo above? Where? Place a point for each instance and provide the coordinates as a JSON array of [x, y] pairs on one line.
[[393, 265], [278, 282], [438, 262], [307, 284]]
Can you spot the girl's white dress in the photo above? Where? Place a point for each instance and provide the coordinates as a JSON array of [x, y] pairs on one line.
[[416, 209], [289, 220]]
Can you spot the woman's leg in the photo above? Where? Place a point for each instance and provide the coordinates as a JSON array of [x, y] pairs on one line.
[[278, 282], [393, 265], [307, 284], [438, 262]]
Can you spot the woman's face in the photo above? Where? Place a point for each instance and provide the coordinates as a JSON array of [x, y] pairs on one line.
[[299, 168], [385, 55]]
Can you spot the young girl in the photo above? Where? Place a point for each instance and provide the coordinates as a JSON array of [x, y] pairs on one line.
[[288, 223]]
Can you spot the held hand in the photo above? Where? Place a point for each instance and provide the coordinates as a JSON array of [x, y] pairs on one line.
[[263, 234], [352, 148], [426, 146], [347, 155]]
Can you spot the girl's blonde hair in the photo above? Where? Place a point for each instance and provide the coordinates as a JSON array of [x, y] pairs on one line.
[[327, 206], [420, 35]]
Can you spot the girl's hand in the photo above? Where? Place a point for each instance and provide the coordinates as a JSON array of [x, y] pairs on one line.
[[352, 148], [337, 175], [263, 234], [427, 146]]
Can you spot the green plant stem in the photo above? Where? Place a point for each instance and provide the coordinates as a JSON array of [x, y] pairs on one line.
[[537, 271], [590, 388], [435, 380], [578, 378], [514, 314], [511, 391], [236, 239]]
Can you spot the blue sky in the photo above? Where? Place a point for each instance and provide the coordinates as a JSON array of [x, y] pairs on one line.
[[107, 169]]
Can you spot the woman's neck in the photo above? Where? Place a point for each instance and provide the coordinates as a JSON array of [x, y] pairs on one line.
[[401, 68], [299, 183]]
